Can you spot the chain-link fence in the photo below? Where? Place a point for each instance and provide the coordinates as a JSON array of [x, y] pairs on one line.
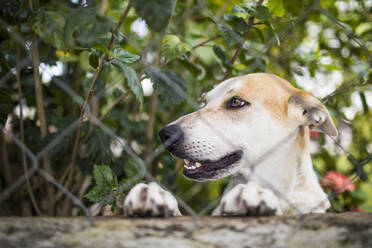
[[63, 183]]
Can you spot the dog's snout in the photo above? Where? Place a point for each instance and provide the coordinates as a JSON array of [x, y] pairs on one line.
[[171, 136]]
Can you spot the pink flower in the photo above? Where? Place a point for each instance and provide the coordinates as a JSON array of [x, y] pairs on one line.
[[337, 182]]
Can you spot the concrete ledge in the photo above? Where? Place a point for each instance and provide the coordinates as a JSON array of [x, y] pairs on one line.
[[316, 230]]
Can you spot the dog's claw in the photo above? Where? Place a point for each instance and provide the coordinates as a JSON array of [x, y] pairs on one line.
[[248, 200], [150, 200]]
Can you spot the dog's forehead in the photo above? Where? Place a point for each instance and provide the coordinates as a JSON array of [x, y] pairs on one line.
[[253, 86], [226, 88]]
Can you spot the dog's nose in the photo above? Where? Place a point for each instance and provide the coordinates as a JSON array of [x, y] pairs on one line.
[[171, 136]]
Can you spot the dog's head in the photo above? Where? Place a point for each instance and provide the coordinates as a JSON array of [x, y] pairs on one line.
[[239, 121]]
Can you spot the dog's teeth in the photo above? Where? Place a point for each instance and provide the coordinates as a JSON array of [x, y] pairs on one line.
[[198, 164], [193, 167]]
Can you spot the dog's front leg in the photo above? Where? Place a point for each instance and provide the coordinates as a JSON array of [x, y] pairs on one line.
[[248, 199], [150, 200]]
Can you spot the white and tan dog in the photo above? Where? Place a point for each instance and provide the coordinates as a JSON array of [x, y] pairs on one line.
[[254, 128]]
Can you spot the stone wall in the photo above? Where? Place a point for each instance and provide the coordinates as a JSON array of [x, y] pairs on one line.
[[316, 230]]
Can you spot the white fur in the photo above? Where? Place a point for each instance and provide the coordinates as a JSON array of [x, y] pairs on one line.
[[276, 177], [156, 201], [248, 199]]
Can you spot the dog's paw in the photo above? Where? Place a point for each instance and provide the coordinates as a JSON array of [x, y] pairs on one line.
[[150, 200], [250, 200]]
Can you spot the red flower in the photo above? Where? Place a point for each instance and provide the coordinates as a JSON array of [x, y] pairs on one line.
[[337, 182], [314, 134]]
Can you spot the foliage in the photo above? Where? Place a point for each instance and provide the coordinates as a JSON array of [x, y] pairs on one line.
[[149, 10], [173, 47], [106, 181], [184, 49]]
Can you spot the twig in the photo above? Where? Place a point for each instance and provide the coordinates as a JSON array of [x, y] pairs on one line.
[[345, 88], [90, 94], [179, 166], [20, 97], [151, 122], [8, 177], [194, 48], [117, 101], [240, 46], [206, 41], [41, 113], [211, 25], [150, 126]]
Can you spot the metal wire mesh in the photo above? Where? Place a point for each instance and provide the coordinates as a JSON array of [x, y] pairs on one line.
[[37, 158]]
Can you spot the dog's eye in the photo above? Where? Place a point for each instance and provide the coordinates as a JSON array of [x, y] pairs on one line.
[[236, 102]]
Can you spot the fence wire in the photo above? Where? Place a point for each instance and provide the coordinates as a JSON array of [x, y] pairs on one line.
[[37, 158]]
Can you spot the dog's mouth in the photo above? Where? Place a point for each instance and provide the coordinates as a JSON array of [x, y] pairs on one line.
[[206, 169]]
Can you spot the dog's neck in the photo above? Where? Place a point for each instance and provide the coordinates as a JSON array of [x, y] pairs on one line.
[[280, 167]]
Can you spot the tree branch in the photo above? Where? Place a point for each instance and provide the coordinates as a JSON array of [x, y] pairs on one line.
[[22, 135], [90, 94], [240, 46]]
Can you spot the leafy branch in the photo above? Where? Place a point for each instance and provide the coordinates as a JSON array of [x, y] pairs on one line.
[[90, 93], [240, 46]]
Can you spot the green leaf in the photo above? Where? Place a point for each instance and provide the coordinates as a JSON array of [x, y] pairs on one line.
[[85, 28], [331, 67], [237, 9], [222, 56], [261, 12], [6, 106], [105, 177], [156, 13], [132, 79], [124, 56], [358, 197], [131, 168], [94, 58], [238, 23], [96, 195], [276, 7], [170, 86], [173, 47], [103, 49], [231, 37], [50, 26]]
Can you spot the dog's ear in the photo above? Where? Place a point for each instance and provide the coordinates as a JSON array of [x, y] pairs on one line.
[[312, 112]]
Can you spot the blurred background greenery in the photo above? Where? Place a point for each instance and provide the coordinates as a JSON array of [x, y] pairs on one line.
[[120, 55]]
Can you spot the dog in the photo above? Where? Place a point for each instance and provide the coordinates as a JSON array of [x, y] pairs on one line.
[[255, 129]]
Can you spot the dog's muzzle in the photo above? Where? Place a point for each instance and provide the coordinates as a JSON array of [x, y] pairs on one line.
[[171, 136]]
